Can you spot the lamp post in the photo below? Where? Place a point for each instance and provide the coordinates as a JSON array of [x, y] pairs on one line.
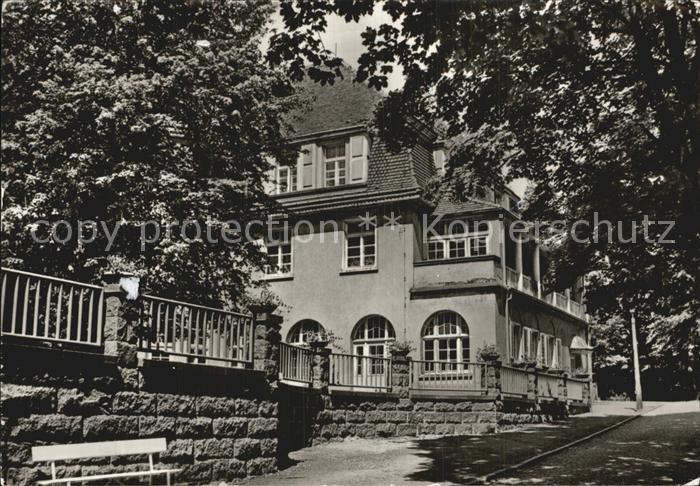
[[635, 353]]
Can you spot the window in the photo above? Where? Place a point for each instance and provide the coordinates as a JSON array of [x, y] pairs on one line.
[[458, 239], [445, 339], [371, 337], [334, 164], [360, 246], [286, 179], [516, 339], [298, 334], [439, 159], [279, 256]]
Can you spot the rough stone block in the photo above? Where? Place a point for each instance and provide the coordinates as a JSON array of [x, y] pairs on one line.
[[268, 447], [368, 406], [246, 408], [405, 404], [262, 427], [415, 417], [230, 427], [246, 448], [469, 417], [177, 405], [386, 430], [397, 417], [355, 416], [75, 402], [376, 417], [453, 417], [484, 406], [261, 465], [483, 428], [54, 428], [110, 427], [179, 450], [197, 473], [268, 409], [434, 417], [17, 454], [216, 407], [329, 431], [214, 448], [424, 406], [366, 430], [338, 415], [444, 407], [463, 406], [22, 400], [199, 427], [463, 429], [386, 406], [426, 429], [445, 429], [228, 470], [157, 427], [406, 429], [488, 417], [132, 403], [130, 379], [324, 416]]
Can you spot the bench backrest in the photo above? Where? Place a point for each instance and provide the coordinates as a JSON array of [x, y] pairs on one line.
[[98, 449]]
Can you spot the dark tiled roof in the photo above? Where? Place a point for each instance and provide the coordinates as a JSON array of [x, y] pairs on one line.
[[341, 105], [449, 205]]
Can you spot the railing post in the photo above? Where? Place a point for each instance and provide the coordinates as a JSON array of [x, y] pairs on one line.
[[492, 375], [561, 385], [122, 317], [266, 341], [320, 367], [400, 374]]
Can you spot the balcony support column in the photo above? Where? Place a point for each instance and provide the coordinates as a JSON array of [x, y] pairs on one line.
[[536, 269], [519, 260]]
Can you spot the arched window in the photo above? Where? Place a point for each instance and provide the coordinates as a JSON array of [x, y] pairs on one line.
[[298, 333], [445, 337], [372, 336]]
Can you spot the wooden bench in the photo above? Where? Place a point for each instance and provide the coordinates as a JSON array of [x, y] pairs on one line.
[[64, 452]]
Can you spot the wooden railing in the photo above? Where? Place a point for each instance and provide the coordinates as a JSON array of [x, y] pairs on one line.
[[445, 375], [574, 389], [511, 277], [547, 386], [295, 363], [51, 309], [195, 333], [514, 381], [348, 370]]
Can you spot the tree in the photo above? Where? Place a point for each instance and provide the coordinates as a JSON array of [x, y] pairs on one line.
[[595, 102], [125, 113]]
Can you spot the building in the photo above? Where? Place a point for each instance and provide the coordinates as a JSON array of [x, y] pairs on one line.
[[365, 256]]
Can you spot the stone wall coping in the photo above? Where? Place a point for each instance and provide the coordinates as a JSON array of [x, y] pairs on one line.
[[344, 392]]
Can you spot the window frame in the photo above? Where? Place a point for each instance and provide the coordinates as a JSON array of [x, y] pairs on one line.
[[460, 242], [301, 331], [291, 179], [436, 338], [336, 162], [279, 246], [362, 234]]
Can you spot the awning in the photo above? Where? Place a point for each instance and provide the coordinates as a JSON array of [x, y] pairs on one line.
[[578, 344]]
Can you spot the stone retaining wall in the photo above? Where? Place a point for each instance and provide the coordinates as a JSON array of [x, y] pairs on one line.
[[221, 424]]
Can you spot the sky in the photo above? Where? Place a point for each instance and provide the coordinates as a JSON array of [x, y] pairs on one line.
[[344, 39]]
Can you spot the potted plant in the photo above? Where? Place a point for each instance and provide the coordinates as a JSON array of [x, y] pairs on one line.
[[401, 348], [580, 372], [488, 352], [320, 339]]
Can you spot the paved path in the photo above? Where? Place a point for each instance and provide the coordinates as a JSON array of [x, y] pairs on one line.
[[459, 460], [661, 447]]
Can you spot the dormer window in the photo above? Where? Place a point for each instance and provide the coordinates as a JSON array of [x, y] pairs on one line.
[[286, 179], [334, 164]]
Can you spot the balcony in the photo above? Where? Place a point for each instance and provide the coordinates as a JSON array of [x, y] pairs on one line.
[[531, 287]]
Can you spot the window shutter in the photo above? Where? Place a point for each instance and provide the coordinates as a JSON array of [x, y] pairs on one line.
[[358, 158], [306, 162]]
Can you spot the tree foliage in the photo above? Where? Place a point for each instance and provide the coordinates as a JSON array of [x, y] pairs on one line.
[[593, 101], [127, 112]]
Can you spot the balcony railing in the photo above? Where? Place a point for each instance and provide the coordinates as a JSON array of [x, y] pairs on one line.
[[295, 363], [348, 370], [180, 331], [528, 285], [514, 381], [547, 386], [574, 389], [51, 309], [445, 375]]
